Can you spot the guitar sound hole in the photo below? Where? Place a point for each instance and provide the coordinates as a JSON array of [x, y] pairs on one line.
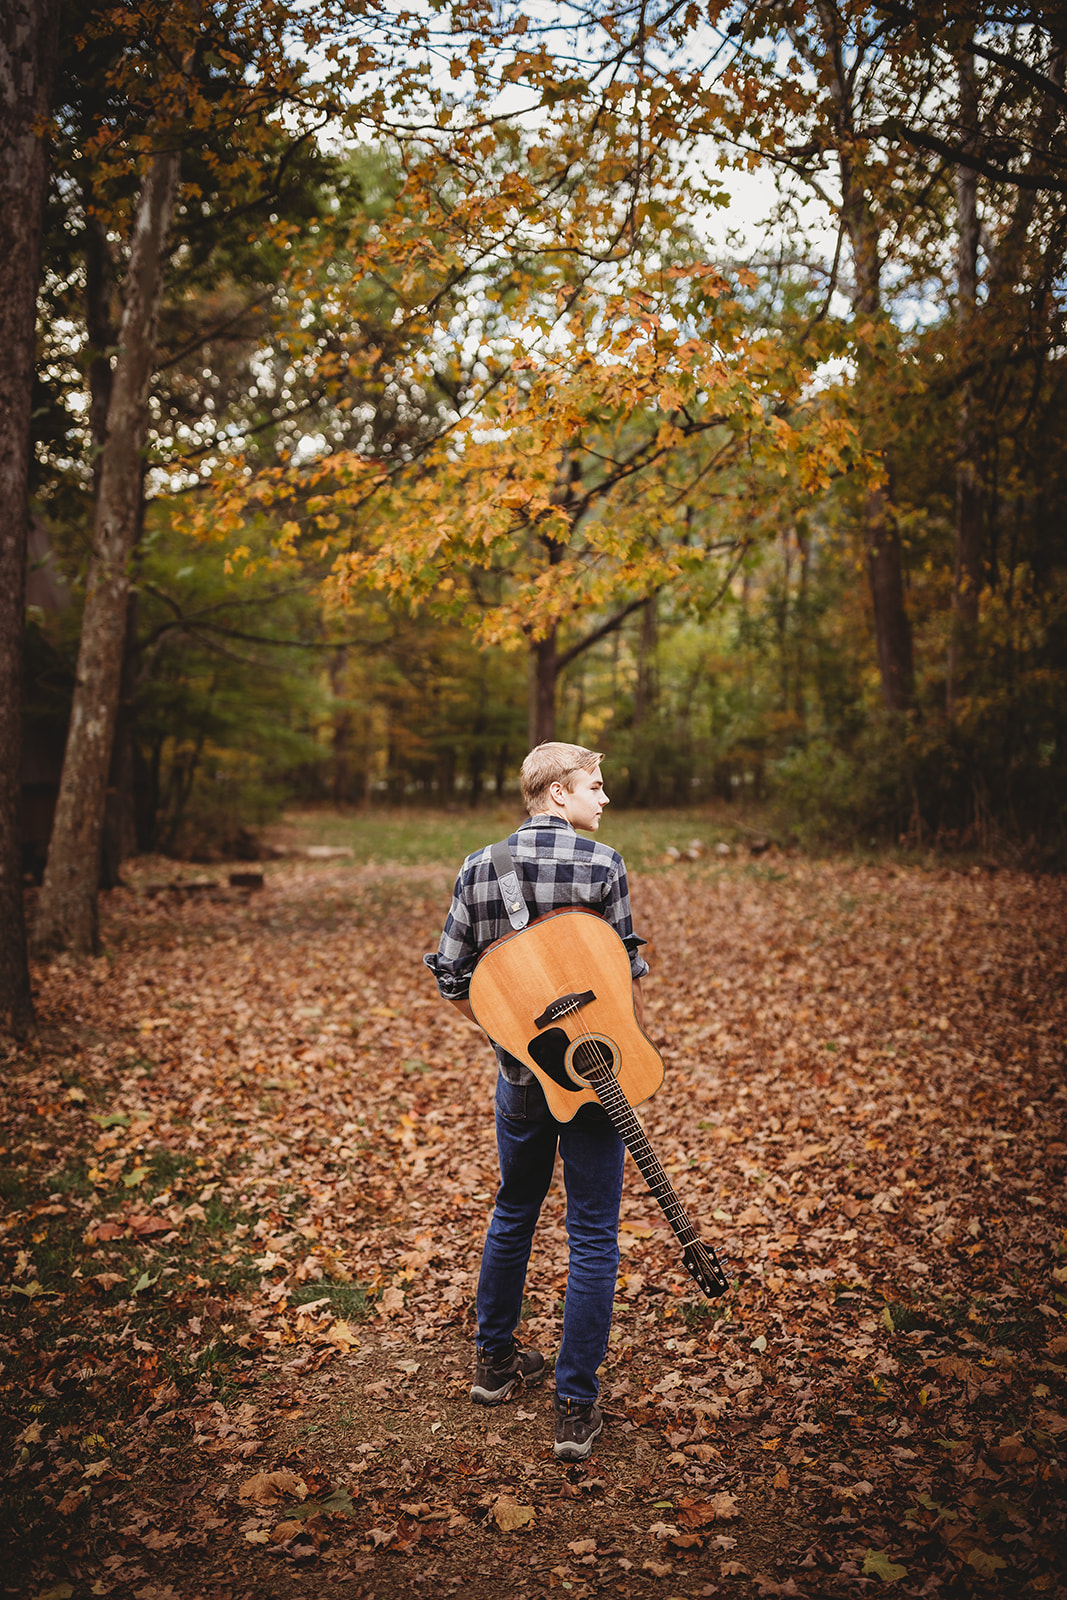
[[591, 1056]]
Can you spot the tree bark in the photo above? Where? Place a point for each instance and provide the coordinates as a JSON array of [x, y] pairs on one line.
[[118, 837], [892, 628], [67, 915], [341, 736], [967, 573], [28, 49], [892, 631], [544, 669], [645, 687]]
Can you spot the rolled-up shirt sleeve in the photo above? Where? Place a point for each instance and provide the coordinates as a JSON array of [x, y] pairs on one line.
[[454, 959]]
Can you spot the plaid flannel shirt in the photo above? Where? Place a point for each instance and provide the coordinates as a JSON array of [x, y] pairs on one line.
[[556, 867]]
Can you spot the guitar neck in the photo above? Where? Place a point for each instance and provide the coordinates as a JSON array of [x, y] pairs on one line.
[[648, 1163], [700, 1260]]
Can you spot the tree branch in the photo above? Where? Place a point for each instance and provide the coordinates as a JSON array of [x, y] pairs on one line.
[[565, 657]]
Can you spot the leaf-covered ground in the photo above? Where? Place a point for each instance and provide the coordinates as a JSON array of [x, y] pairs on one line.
[[246, 1180]]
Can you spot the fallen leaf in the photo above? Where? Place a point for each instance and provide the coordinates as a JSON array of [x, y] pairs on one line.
[[985, 1563], [724, 1506], [509, 1515], [267, 1488], [107, 1280], [877, 1564]]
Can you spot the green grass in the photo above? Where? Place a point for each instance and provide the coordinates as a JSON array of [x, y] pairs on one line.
[[437, 838], [349, 1300], [13, 1188]]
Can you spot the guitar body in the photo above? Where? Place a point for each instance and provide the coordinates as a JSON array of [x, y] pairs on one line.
[[558, 996]]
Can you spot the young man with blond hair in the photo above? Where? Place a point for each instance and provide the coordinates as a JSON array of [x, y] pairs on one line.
[[563, 790]]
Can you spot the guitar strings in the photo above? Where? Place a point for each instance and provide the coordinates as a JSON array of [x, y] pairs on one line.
[[606, 1088], [700, 1259]]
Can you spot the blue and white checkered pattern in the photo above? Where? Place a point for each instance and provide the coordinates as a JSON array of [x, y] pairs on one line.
[[556, 867]]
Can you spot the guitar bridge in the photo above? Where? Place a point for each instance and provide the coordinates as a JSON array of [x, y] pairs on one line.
[[563, 1007]]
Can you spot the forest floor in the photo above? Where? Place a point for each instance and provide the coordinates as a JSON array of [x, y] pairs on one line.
[[247, 1175]]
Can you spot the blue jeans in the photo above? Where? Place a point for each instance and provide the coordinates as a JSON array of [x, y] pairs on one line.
[[593, 1154]]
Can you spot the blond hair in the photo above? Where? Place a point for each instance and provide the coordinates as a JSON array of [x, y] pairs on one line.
[[553, 762]]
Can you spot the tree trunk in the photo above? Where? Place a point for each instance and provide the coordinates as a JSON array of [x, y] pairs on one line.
[[99, 328], [543, 673], [28, 48], [119, 837], [67, 916], [341, 738], [645, 687], [967, 575], [892, 629]]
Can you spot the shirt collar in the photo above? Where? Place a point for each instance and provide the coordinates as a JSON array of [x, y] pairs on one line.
[[545, 819]]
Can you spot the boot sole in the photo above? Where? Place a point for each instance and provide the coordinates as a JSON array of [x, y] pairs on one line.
[[496, 1397], [572, 1451]]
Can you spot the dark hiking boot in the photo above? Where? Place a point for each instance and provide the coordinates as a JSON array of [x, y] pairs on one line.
[[497, 1377], [576, 1428]]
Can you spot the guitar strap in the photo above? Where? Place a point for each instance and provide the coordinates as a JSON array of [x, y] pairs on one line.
[[510, 887]]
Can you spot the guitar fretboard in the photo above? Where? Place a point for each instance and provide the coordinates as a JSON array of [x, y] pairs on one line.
[[635, 1139]]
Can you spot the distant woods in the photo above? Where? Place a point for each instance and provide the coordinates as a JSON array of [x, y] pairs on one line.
[[362, 457]]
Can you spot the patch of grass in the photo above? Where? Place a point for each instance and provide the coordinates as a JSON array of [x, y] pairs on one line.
[[70, 1180], [702, 1313], [219, 1217], [216, 1361], [767, 874], [12, 1187], [234, 1275], [437, 838], [353, 1301], [906, 1318], [166, 1165]]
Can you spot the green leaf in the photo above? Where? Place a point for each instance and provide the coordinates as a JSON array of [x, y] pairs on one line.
[[984, 1563], [145, 1282], [31, 1290], [138, 1175], [887, 1318], [58, 1591], [337, 1503], [878, 1565], [110, 1119]]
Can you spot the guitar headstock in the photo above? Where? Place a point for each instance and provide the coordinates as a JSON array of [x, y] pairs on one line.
[[703, 1266]]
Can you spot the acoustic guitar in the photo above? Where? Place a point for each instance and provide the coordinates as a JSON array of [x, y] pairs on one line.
[[558, 996]]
